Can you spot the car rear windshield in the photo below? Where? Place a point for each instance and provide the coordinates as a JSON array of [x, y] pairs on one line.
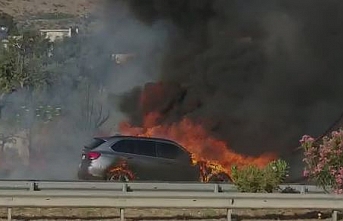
[[94, 143]]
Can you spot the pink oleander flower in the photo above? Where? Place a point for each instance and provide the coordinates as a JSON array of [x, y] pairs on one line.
[[306, 173], [339, 179], [324, 160], [318, 168], [334, 133], [338, 152], [338, 191], [337, 134], [333, 172], [305, 139], [310, 152]]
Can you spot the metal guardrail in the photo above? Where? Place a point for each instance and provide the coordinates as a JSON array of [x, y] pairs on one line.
[[139, 186], [158, 195]]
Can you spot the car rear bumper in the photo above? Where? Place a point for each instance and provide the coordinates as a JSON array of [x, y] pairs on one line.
[[86, 176], [85, 173]]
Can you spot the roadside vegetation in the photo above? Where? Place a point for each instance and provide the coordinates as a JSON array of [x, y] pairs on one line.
[[39, 74], [49, 90], [324, 161], [254, 179]]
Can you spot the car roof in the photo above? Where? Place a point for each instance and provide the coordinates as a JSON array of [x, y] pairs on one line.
[[106, 138], [135, 137]]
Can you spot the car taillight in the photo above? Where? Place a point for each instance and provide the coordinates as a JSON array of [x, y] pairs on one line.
[[93, 155]]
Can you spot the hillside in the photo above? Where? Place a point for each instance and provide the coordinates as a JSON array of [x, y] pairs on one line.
[[24, 8], [49, 13]]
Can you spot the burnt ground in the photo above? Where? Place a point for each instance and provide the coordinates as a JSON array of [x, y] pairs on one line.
[[162, 214]]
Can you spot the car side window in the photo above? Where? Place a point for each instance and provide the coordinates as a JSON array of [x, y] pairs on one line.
[[124, 146], [146, 148], [167, 150]]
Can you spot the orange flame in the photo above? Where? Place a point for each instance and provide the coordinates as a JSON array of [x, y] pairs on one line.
[[202, 146], [122, 169], [212, 155]]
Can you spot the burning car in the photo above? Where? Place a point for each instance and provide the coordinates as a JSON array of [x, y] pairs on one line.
[[127, 158]]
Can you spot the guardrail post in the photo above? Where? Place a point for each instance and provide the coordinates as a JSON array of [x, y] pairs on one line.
[[9, 214], [216, 188], [334, 216], [33, 186], [229, 214], [303, 189], [229, 211], [122, 214]]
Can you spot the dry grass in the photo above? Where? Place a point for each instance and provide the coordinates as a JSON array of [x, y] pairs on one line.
[[25, 8], [50, 14], [163, 214]]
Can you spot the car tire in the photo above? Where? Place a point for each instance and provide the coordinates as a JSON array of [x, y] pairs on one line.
[[118, 177], [220, 177]]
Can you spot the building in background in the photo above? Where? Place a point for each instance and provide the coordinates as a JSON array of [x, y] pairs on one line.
[[59, 34], [121, 59]]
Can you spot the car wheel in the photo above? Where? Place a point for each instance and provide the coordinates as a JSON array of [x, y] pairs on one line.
[[119, 176], [220, 177]]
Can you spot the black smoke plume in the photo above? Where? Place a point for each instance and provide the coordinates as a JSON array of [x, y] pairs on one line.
[[262, 72]]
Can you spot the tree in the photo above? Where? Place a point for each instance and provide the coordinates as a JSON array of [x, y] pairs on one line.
[[22, 62], [7, 21], [64, 70], [23, 66]]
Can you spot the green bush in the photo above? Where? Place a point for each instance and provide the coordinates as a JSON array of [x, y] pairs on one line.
[[254, 179]]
